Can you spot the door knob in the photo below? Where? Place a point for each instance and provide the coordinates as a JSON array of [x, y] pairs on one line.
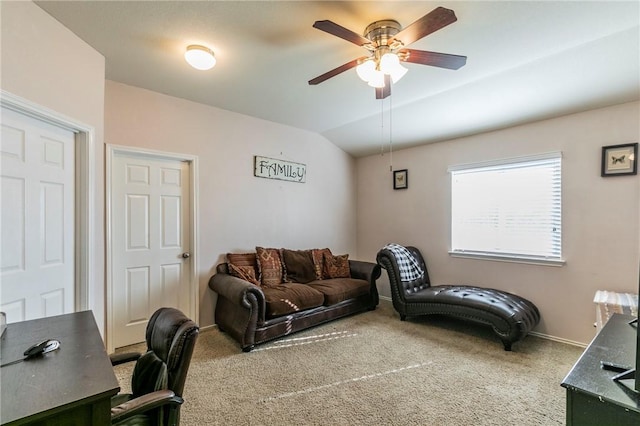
[[186, 255]]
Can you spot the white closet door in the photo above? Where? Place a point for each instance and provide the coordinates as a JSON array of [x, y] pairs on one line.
[[37, 219], [150, 231]]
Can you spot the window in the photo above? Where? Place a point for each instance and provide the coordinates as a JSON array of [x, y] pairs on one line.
[[508, 210]]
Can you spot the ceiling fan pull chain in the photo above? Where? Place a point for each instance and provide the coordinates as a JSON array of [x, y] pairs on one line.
[[382, 128], [390, 131]]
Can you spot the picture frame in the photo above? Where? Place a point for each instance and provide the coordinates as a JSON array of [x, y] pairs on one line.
[[619, 160], [401, 179]]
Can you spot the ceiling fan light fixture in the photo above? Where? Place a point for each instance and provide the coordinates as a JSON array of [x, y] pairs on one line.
[[377, 79], [397, 73], [390, 64], [386, 43], [366, 70], [200, 57]]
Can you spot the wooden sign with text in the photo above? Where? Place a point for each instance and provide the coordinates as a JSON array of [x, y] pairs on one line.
[[272, 168]]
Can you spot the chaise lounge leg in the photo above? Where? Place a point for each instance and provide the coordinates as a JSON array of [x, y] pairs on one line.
[[403, 317], [247, 348], [507, 345]]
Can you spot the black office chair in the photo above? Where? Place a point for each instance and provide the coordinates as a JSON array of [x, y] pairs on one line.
[[159, 375]]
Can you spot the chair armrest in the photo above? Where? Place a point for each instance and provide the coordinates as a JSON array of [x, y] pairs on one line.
[[144, 403], [117, 359]]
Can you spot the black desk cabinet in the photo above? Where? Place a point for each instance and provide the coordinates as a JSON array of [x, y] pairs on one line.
[[592, 397], [70, 386]]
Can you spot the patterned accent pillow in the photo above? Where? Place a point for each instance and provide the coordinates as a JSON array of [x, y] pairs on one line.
[[242, 259], [337, 266], [318, 261], [243, 265], [269, 266], [247, 273]]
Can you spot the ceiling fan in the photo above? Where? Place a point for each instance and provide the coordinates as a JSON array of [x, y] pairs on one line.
[[386, 40]]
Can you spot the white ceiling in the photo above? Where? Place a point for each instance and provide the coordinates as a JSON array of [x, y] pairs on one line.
[[526, 61]]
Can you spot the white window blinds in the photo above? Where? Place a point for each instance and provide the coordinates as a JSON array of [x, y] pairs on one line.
[[511, 208]]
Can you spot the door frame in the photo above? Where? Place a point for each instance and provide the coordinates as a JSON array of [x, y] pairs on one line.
[[113, 150], [84, 197]]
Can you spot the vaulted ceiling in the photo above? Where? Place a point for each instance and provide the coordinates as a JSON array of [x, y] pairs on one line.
[[526, 61]]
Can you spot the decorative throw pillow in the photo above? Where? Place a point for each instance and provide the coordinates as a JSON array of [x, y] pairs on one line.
[[243, 265], [269, 266], [337, 266], [242, 259], [298, 266], [318, 261], [247, 273]]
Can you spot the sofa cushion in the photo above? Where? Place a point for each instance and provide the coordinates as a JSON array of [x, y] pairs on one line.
[[318, 261], [297, 266], [338, 289], [269, 266], [287, 298], [336, 266]]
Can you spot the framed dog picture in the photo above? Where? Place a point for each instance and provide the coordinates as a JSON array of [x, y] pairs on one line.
[[619, 160], [400, 179]]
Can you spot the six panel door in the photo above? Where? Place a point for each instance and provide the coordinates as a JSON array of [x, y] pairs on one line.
[[150, 229], [37, 230]]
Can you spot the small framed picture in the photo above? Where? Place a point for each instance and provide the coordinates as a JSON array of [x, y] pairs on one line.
[[618, 160], [400, 179]]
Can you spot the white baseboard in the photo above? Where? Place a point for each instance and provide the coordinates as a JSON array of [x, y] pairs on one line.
[[558, 339]]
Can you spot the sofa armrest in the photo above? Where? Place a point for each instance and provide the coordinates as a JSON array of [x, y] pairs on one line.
[[369, 272], [240, 307], [239, 292]]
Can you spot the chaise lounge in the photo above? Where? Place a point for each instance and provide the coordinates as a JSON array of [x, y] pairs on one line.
[[510, 316]]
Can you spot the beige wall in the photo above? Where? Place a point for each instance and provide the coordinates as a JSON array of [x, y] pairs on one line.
[[47, 65], [237, 210], [600, 215]]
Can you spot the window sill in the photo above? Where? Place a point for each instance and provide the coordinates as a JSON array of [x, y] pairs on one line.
[[513, 258]]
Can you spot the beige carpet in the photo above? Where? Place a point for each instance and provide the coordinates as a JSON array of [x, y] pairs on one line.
[[373, 369]]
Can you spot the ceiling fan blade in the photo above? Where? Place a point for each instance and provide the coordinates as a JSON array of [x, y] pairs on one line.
[[342, 32], [438, 18], [384, 92], [342, 68], [435, 59]]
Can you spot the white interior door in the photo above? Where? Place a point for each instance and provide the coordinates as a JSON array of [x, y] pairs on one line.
[[150, 241], [37, 218]]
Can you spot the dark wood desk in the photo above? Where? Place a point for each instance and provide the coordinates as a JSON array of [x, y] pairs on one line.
[[592, 397], [70, 386]]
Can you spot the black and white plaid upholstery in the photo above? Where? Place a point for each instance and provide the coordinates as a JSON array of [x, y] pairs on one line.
[[408, 267]]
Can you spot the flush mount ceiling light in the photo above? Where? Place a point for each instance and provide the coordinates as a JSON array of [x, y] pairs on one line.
[[200, 57]]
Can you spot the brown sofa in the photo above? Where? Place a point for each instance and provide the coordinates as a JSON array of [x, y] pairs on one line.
[[265, 305]]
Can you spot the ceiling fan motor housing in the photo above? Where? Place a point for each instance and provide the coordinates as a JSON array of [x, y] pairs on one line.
[[381, 33]]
